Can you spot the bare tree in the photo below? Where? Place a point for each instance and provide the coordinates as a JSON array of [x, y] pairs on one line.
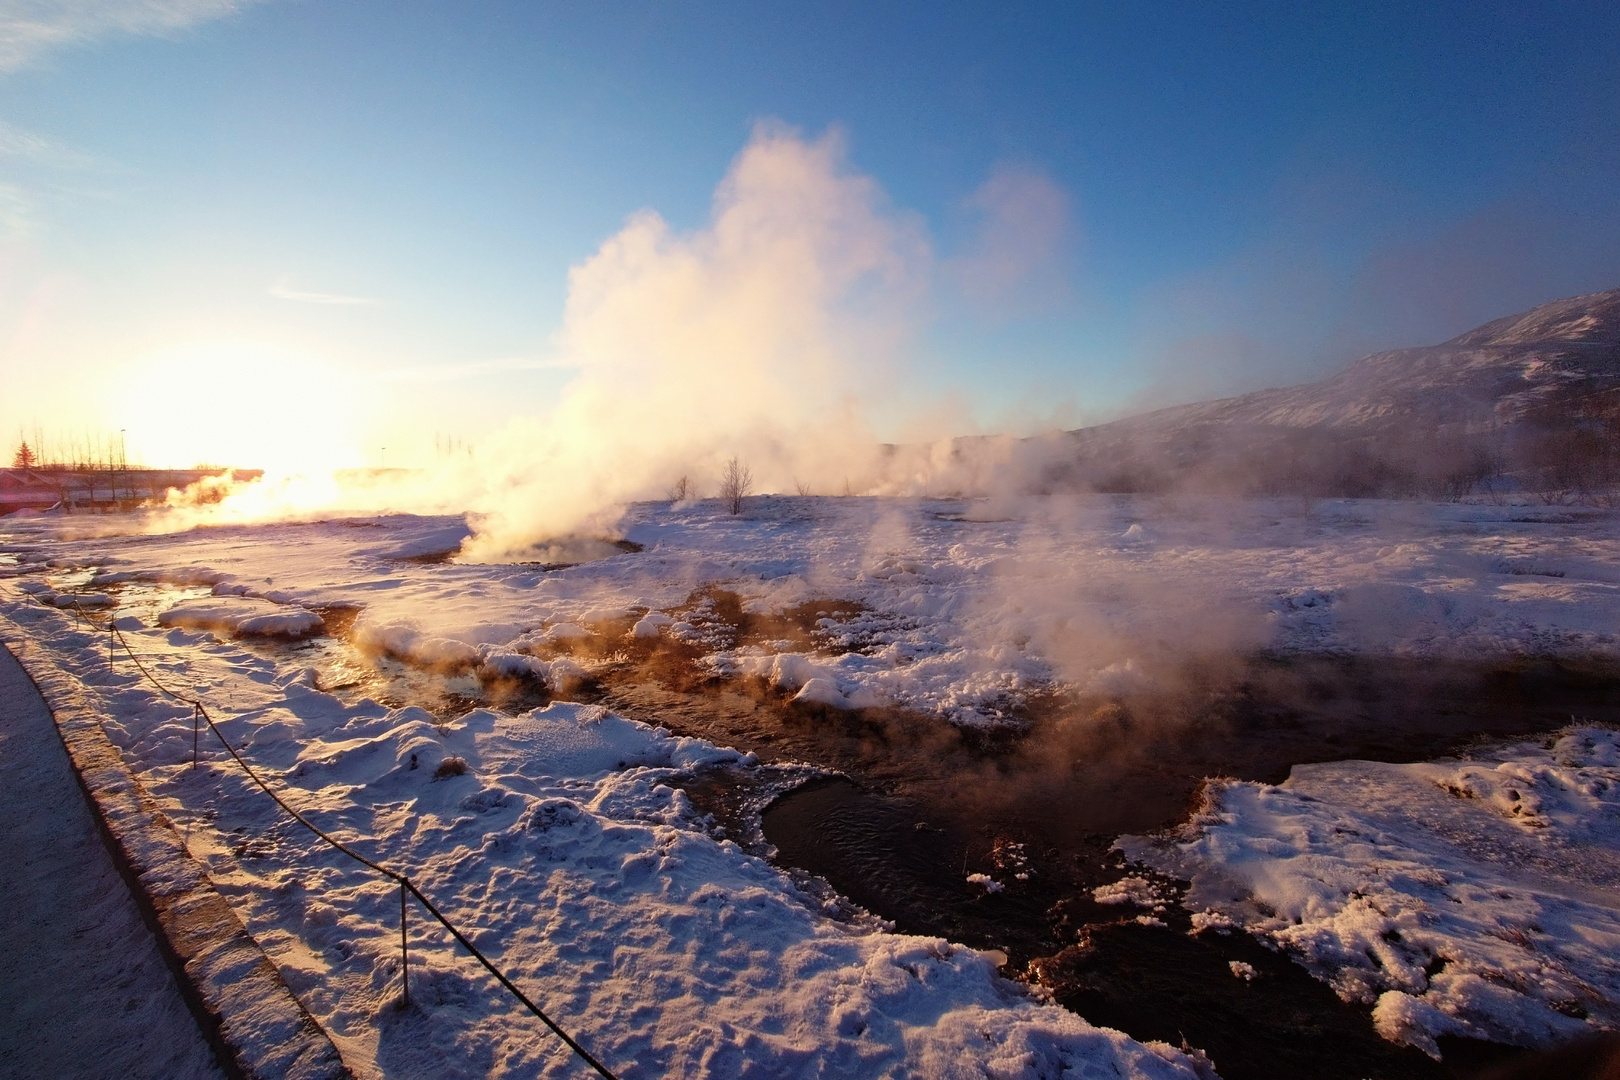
[[801, 486], [735, 484], [681, 490]]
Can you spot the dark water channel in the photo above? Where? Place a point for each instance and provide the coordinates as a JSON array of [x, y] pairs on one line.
[[902, 846]]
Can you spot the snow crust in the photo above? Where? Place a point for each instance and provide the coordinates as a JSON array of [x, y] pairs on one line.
[[1476, 897], [240, 616]]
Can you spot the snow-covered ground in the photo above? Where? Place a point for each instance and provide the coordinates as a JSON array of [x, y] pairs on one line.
[[557, 841], [968, 606], [1476, 897], [562, 841]]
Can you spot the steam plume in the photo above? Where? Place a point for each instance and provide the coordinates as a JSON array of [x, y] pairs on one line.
[[758, 335], [766, 335]]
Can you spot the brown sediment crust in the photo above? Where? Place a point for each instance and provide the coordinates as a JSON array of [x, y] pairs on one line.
[[256, 1026]]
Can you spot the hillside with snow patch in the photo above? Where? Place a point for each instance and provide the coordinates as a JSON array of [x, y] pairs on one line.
[[1516, 394]]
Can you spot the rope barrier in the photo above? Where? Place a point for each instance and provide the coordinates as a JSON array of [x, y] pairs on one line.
[[406, 886]]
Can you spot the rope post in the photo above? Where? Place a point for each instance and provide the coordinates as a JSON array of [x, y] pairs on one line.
[[404, 949], [112, 629], [196, 728]]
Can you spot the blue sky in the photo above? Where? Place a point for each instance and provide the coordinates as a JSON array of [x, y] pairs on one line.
[[1173, 201]]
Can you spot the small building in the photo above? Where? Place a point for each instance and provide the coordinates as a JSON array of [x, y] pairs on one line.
[[27, 489]]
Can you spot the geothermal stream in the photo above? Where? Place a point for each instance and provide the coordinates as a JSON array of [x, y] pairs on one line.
[[895, 810]]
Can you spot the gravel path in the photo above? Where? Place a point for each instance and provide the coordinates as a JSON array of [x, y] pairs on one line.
[[84, 991]]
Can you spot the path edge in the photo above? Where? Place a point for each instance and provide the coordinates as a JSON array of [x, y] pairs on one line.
[[256, 1026]]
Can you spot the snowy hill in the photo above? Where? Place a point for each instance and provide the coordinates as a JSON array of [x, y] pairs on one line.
[[1488, 400]]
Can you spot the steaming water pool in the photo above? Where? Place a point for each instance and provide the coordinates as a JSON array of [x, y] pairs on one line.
[[903, 849]]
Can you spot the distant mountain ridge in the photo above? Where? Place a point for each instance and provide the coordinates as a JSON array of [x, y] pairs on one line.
[[1509, 396]]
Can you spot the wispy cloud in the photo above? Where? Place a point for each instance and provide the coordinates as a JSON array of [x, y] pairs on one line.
[[17, 212], [31, 28], [1019, 262], [432, 373], [43, 172], [282, 289], [33, 148]]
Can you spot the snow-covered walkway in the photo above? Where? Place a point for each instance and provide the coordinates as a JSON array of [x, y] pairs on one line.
[[84, 992]]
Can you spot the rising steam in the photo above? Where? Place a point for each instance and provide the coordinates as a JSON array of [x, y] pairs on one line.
[[763, 334], [758, 335]]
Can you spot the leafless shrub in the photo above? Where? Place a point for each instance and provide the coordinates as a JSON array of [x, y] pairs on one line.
[[1496, 489], [681, 490], [735, 484], [1474, 468], [1579, 463], [802, 487]]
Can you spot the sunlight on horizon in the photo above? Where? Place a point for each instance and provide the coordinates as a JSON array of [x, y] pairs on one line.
[[240, 404]]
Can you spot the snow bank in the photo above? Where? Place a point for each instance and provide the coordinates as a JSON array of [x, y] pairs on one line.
[[409, 642], [83, 600], [796, 674], [173, 575], [556, 674], [1477, 898], [822, 691], [240, 616]]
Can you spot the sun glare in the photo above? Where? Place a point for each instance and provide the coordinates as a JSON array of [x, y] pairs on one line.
[[243, 405]]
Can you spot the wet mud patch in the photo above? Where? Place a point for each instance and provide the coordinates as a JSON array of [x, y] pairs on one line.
[[351, 673], [808, 627], [429, 558], [674, 657]]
